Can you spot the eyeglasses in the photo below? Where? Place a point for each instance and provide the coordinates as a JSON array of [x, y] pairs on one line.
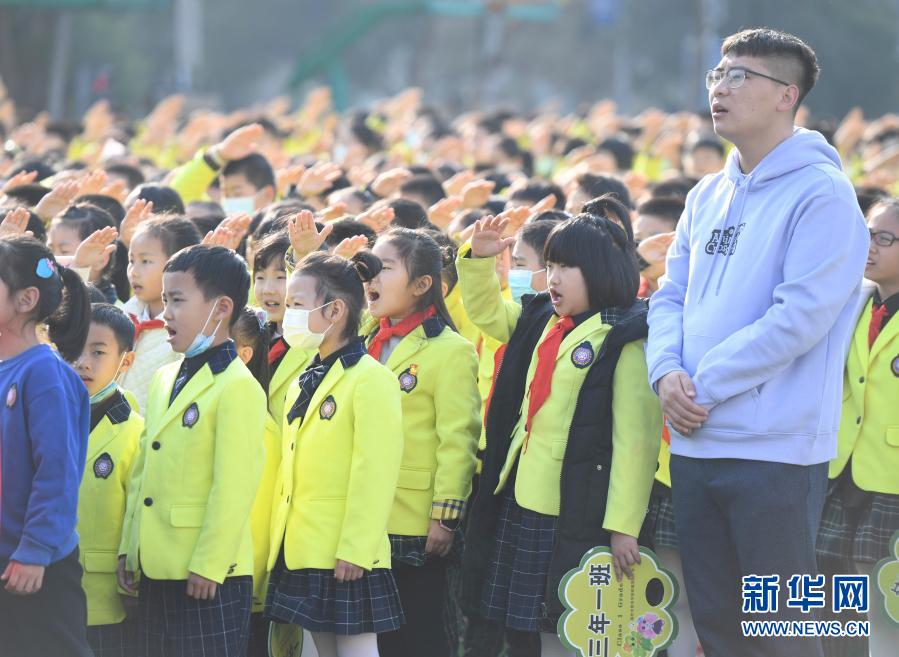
[[736, 76], [882, 238]]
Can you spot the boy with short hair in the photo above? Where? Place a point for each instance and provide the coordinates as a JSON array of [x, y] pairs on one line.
[[187, 522], [112, 447]]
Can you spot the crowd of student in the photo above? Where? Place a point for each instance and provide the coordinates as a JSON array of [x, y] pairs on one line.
[[357, 372]]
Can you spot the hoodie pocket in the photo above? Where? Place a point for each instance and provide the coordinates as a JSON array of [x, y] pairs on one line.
[[737, 413]]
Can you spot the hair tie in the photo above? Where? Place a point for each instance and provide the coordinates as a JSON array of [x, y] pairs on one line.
[[45, 268], [262, 318]]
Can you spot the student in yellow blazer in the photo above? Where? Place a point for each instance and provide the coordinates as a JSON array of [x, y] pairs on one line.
[[436, 369], [861, 513], [572, 388], [188, 514], [112, 448], [341, 452]]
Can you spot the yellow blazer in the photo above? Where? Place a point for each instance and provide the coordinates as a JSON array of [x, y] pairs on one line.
[[292, 365], [436, 370], [111, 450], [196, 476], [464, 325], [339, 469], [636, 413], [869, 427], [261, 513]]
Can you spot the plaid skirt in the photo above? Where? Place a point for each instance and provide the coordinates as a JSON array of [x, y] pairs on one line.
[[410, 550], [316, 601], [116, 640], [856, 525], [661, 517], [515, 587]]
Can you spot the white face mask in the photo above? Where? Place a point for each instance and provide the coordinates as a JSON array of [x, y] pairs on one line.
[[239, 204], [295, 328]]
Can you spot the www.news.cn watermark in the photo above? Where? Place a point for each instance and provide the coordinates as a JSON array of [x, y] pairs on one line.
[[806, 593]]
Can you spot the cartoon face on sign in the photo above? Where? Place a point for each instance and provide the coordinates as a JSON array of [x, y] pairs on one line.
[[604, 616], [886, 574]]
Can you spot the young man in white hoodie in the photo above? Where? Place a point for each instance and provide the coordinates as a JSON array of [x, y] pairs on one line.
[[747, 340]]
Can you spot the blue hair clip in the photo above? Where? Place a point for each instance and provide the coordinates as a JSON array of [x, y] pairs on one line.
[[45, 268], [262, 318]]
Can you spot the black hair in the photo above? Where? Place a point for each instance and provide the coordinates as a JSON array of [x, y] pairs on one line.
[[35, 225], [775, 45], [603, 253], [165, 199], [424, 186], [276, 216], [131, 174], [535, 234], [339, 278], [111, 206], [272, 248], [621, 150], [511, 148], [29, 195], [87, 218], [598, 185], [218, 272], [536, 190], [255, 168], [609, 207], [63, 302], [449, 273], [362, 132], [666, 207], [205, 209], [422, 256], [43, 169], [867, 196], [712, 143], [344, 228], [122, 327], [676, 187], [252, 331], [408, 214], [173, 233], [94, 294], [550, 215]]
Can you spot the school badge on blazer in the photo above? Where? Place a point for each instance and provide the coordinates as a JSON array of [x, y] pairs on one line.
[[409, 378], [103, 466], [328, 408], [582, 355], [191, 416], [11, 396], [894, 366]]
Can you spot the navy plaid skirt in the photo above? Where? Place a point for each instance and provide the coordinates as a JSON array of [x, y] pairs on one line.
[[316, 601], [514, 591], [661, 517], [116, 640], [856, 525], [174, 625]]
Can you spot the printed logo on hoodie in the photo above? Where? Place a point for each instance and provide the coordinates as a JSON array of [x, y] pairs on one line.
[[726, 243]]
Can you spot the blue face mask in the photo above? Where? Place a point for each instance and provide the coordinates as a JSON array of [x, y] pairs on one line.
[[239, 204], [109, 388], [202, 342], [520, 283]]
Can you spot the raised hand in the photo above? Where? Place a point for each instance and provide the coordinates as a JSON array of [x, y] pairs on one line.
[[21, 178], [139, 212], [304, 236], [94, 252], [514, 218], [476, 193], [378, 219], [240, 143], [487, 238], [388, 183], [59, 198], [318, 179], [350, 246], [442, 213], [15, 222]]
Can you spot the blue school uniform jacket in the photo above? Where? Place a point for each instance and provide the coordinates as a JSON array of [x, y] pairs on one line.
[[44, 426]]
